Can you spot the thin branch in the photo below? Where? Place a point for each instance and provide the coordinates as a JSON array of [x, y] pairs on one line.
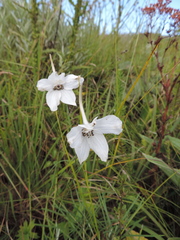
[[58, 21]]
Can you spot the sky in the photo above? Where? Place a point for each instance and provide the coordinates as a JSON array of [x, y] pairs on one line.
[[132, 19], [135, 20]]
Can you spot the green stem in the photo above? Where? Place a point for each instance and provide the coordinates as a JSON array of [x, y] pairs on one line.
[[52, 64], [85, 121]]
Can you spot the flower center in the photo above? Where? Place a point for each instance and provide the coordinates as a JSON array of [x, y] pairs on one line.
[[86, 133], [58, 87]]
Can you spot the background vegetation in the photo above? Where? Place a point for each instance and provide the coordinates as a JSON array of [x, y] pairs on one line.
[[45, 193]]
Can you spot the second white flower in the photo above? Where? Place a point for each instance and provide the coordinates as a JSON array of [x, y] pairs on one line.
[[90, 136]]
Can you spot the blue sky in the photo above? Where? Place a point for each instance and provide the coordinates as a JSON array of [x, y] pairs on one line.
[[132, 18]]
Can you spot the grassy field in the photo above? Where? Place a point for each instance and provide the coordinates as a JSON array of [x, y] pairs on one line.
[[45, 193]]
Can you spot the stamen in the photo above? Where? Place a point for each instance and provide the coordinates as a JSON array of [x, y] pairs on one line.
[[58, 87], [86, 133]]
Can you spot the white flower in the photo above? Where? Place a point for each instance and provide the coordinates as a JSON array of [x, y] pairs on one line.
[[90, 136], [59, 88]]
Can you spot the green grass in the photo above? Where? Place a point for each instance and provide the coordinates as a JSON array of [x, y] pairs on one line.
[[45, 193]]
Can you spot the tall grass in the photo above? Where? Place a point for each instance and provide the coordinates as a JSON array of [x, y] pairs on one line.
[[45, 193]]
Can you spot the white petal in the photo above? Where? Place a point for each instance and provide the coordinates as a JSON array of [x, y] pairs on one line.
[[74, 137], [99, 145], [82, 150], [71, 85], [72, 81], [87, 126], [44, 85], [53, 99], [79, 143], [47, 84], [56, 79], [53, 75], [71, 77], [109, 124], [68, 97]]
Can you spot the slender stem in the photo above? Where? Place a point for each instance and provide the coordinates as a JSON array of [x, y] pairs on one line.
[[85, 121], [59, 15], [52, 64]]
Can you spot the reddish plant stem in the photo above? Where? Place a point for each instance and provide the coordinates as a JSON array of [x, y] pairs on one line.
[[168, 91], [162, 131]]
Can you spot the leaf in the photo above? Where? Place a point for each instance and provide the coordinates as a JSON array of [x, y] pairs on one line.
[[148, 140], [133, 235], [25, 231], [173, 238], [174, 141], [173, 173], [145, 140]]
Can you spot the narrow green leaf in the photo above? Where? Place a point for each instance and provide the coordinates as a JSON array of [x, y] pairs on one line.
[[174, 141], [173, 173]]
